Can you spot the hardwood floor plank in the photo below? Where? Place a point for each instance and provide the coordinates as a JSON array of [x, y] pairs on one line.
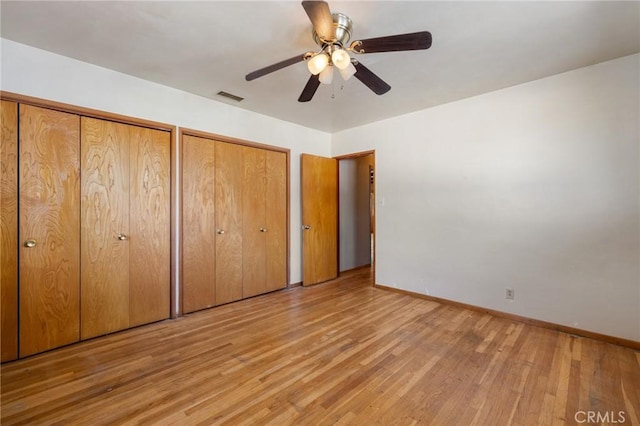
[[342, 352]]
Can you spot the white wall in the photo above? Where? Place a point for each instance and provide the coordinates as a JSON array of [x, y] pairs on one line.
[[534, 187], [35, 72]]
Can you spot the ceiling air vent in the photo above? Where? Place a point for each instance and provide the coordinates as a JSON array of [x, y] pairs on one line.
[[229, 96]]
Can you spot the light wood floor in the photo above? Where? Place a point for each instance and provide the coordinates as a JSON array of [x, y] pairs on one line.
[[337, 353]]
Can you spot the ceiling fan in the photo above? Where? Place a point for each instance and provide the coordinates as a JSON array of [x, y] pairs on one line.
[[331, 32]]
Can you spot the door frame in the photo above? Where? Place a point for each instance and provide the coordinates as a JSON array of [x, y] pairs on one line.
[[353, 156]]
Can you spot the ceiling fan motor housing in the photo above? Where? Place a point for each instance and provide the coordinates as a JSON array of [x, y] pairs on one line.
[[343, 28]]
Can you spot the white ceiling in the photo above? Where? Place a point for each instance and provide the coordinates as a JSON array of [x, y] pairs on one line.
[[207, 46]]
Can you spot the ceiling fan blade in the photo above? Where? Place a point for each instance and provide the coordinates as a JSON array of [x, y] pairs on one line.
[[412, 41], [372, 81], [310, 89], [320, 16], [274, 67]]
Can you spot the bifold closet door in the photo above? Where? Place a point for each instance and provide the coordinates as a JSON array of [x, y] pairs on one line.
[[245, 253], [229, 222], [105, 227], [49, 229], [150, 219], [276, 220], [265, 221], [9, 230], [125, 226], [254, 221], [198, 223]]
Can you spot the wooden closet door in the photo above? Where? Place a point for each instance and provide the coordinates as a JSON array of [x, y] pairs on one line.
[[105, 227], [228, 194], [198, 223], [254, 222], [276, 219], [9, 230], [49, 214], [150, 221]]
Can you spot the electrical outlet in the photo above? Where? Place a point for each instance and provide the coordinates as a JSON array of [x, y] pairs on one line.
[[510, 294]]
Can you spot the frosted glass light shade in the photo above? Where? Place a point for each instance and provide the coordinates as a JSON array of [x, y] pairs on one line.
[[326, 76], [318, 63], [347, 72], [340, 58]]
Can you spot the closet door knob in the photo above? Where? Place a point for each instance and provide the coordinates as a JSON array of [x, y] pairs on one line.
[[30, 243], [220, 231], [122, 237], [263, 229], [306, 227]]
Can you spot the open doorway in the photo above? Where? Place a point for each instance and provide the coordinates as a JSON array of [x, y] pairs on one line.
[[356, 207]]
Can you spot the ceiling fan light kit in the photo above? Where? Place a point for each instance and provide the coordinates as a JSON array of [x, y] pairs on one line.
[[340, 58], [326, 76], [348, 72], [317, 63], [331, 32]]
